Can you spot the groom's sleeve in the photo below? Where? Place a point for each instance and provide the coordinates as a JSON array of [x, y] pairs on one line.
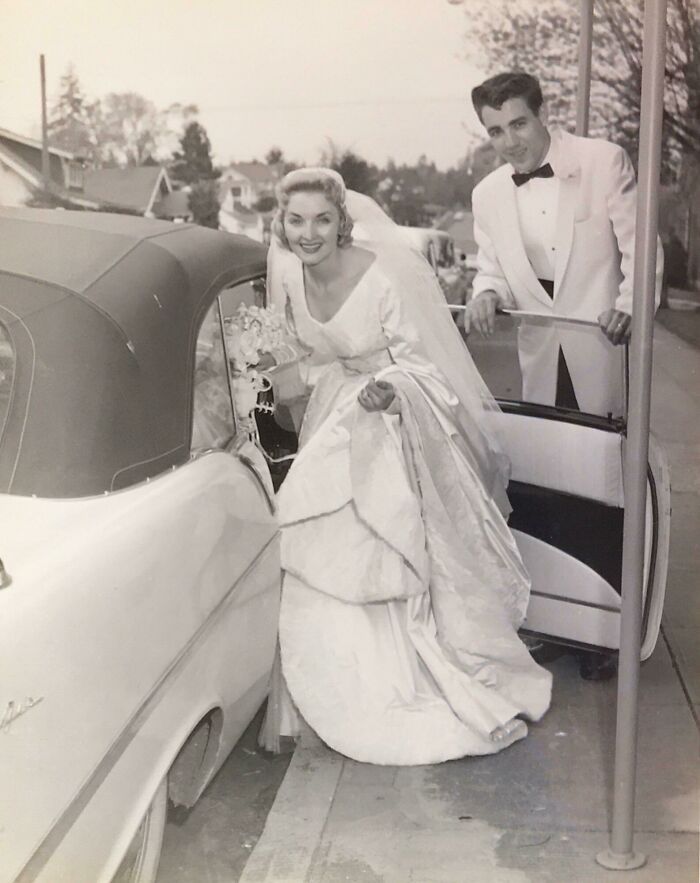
[[622, 210], [489, 275]]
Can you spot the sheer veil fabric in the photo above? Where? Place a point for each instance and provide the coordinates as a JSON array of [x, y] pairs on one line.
[[425, 307]]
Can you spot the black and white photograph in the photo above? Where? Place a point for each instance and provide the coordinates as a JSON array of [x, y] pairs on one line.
[[349, 441]]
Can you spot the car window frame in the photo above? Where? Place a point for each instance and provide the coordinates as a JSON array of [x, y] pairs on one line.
[[244, 281], [224, 446]]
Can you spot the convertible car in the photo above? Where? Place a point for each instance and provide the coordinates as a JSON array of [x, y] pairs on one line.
[[139, 573], [139, 586]]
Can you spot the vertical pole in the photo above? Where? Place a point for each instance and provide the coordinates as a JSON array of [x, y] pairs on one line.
[[585, 44], [45, 170], [620, 855]]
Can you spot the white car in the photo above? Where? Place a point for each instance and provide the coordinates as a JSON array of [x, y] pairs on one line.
[[140, 571], [436, 246]]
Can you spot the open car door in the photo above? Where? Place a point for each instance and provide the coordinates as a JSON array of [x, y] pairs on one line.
[[568, 499]]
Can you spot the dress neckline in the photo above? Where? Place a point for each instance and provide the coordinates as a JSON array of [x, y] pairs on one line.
[[349, 297]]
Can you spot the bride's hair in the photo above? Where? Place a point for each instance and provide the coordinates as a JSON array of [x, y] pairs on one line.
[[313, 180]]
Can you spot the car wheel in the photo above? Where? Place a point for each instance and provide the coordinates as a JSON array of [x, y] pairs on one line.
[[140, 864]]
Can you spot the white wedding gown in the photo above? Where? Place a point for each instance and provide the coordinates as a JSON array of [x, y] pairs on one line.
[[403, 587]]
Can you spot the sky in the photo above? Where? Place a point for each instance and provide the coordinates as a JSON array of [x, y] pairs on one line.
[[385, 78]]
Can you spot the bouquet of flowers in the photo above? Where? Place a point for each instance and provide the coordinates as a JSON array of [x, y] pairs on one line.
[[252, 333]]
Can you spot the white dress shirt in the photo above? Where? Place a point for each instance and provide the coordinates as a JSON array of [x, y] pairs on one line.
[[537, 212]]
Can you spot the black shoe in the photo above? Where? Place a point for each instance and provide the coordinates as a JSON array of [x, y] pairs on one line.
[[598, 666], [542, 651]]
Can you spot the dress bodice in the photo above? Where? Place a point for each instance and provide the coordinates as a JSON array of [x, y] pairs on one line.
[[358, 332]]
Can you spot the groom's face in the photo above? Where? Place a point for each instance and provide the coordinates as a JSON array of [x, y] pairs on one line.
[[518, 135]]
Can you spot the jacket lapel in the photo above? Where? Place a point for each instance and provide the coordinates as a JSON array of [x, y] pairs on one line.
[[512, 245], [568, 170]]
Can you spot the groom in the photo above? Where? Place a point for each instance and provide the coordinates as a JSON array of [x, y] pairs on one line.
[[555, 232], [555, 228]]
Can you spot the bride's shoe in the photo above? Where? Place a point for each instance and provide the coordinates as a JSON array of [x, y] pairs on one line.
[[510, 732]]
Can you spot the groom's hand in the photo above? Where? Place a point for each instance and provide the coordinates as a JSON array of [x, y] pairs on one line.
[[376, 396], [616, 326], [481, 313]]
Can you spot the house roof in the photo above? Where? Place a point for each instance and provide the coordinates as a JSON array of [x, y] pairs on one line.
[[133, 187], [256, 172], [17, 164], [172, 205], [28, 166], [32, 142]]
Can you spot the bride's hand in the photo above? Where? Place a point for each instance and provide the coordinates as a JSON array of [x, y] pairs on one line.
[[266, 362], [376, 396]]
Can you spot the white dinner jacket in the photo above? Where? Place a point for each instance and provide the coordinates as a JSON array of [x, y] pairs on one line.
[[594, 261]]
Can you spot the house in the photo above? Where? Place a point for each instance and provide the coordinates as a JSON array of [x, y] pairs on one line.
[[139, 190], [21, 178], [247, 198], [246, 183], [237, 218], [142, 190]]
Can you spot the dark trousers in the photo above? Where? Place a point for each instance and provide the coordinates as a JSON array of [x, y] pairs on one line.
[[565, 395], [566, 398]]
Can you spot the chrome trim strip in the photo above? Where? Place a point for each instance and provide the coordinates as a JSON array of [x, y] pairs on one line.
[[60, 828], [552, 597]]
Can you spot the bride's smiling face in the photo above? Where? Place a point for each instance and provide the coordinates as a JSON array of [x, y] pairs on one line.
[[311, 223]]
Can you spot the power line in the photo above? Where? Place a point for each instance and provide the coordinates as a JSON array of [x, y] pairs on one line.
[[360, 102]]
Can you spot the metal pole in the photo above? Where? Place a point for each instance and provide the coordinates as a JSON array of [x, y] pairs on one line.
[[620, 855], [45, 170], [585, 44]]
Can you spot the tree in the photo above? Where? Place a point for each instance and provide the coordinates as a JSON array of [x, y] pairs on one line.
[[543, 39], [402, 194], [203, 202], [73, 119], [131, 129], [119, 129], [357, 173], [193, 162], [274, 156]]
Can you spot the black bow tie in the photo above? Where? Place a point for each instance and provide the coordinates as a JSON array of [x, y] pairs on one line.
[[520, 178]]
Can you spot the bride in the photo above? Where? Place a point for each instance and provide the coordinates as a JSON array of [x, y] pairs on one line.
[[403, 588]]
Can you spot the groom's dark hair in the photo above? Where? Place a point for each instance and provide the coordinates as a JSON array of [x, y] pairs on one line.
[[495, 91]]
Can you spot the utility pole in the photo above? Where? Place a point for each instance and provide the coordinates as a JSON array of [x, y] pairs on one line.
[[45, 169]]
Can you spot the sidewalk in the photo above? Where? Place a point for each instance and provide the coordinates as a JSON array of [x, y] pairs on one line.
[[540, 810]]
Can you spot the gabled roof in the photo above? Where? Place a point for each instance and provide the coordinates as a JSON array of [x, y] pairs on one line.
[[172, 205], [135, 187], [256, 172], [23, 156], [20, 166], [32, 142]]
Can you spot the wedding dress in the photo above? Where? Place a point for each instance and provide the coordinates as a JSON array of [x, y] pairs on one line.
[[403, 588]]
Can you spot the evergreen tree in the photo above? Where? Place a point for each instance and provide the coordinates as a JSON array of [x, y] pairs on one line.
[[204, 203], [72, 120], [193, 162]]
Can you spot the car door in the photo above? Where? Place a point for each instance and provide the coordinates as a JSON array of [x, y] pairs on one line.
[[130, 616], [567, 494]]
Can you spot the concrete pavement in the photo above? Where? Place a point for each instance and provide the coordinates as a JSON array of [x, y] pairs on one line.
[[539, 811]]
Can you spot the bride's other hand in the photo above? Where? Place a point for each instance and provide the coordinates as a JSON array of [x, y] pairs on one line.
[[376, 396], [267, 362]]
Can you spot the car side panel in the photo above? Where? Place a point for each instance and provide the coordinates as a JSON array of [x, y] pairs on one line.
[[104, 604]]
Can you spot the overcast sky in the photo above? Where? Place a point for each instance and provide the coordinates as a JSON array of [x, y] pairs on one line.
[[387, 78]]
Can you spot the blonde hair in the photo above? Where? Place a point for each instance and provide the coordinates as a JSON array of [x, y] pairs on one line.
[[313, 180]]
